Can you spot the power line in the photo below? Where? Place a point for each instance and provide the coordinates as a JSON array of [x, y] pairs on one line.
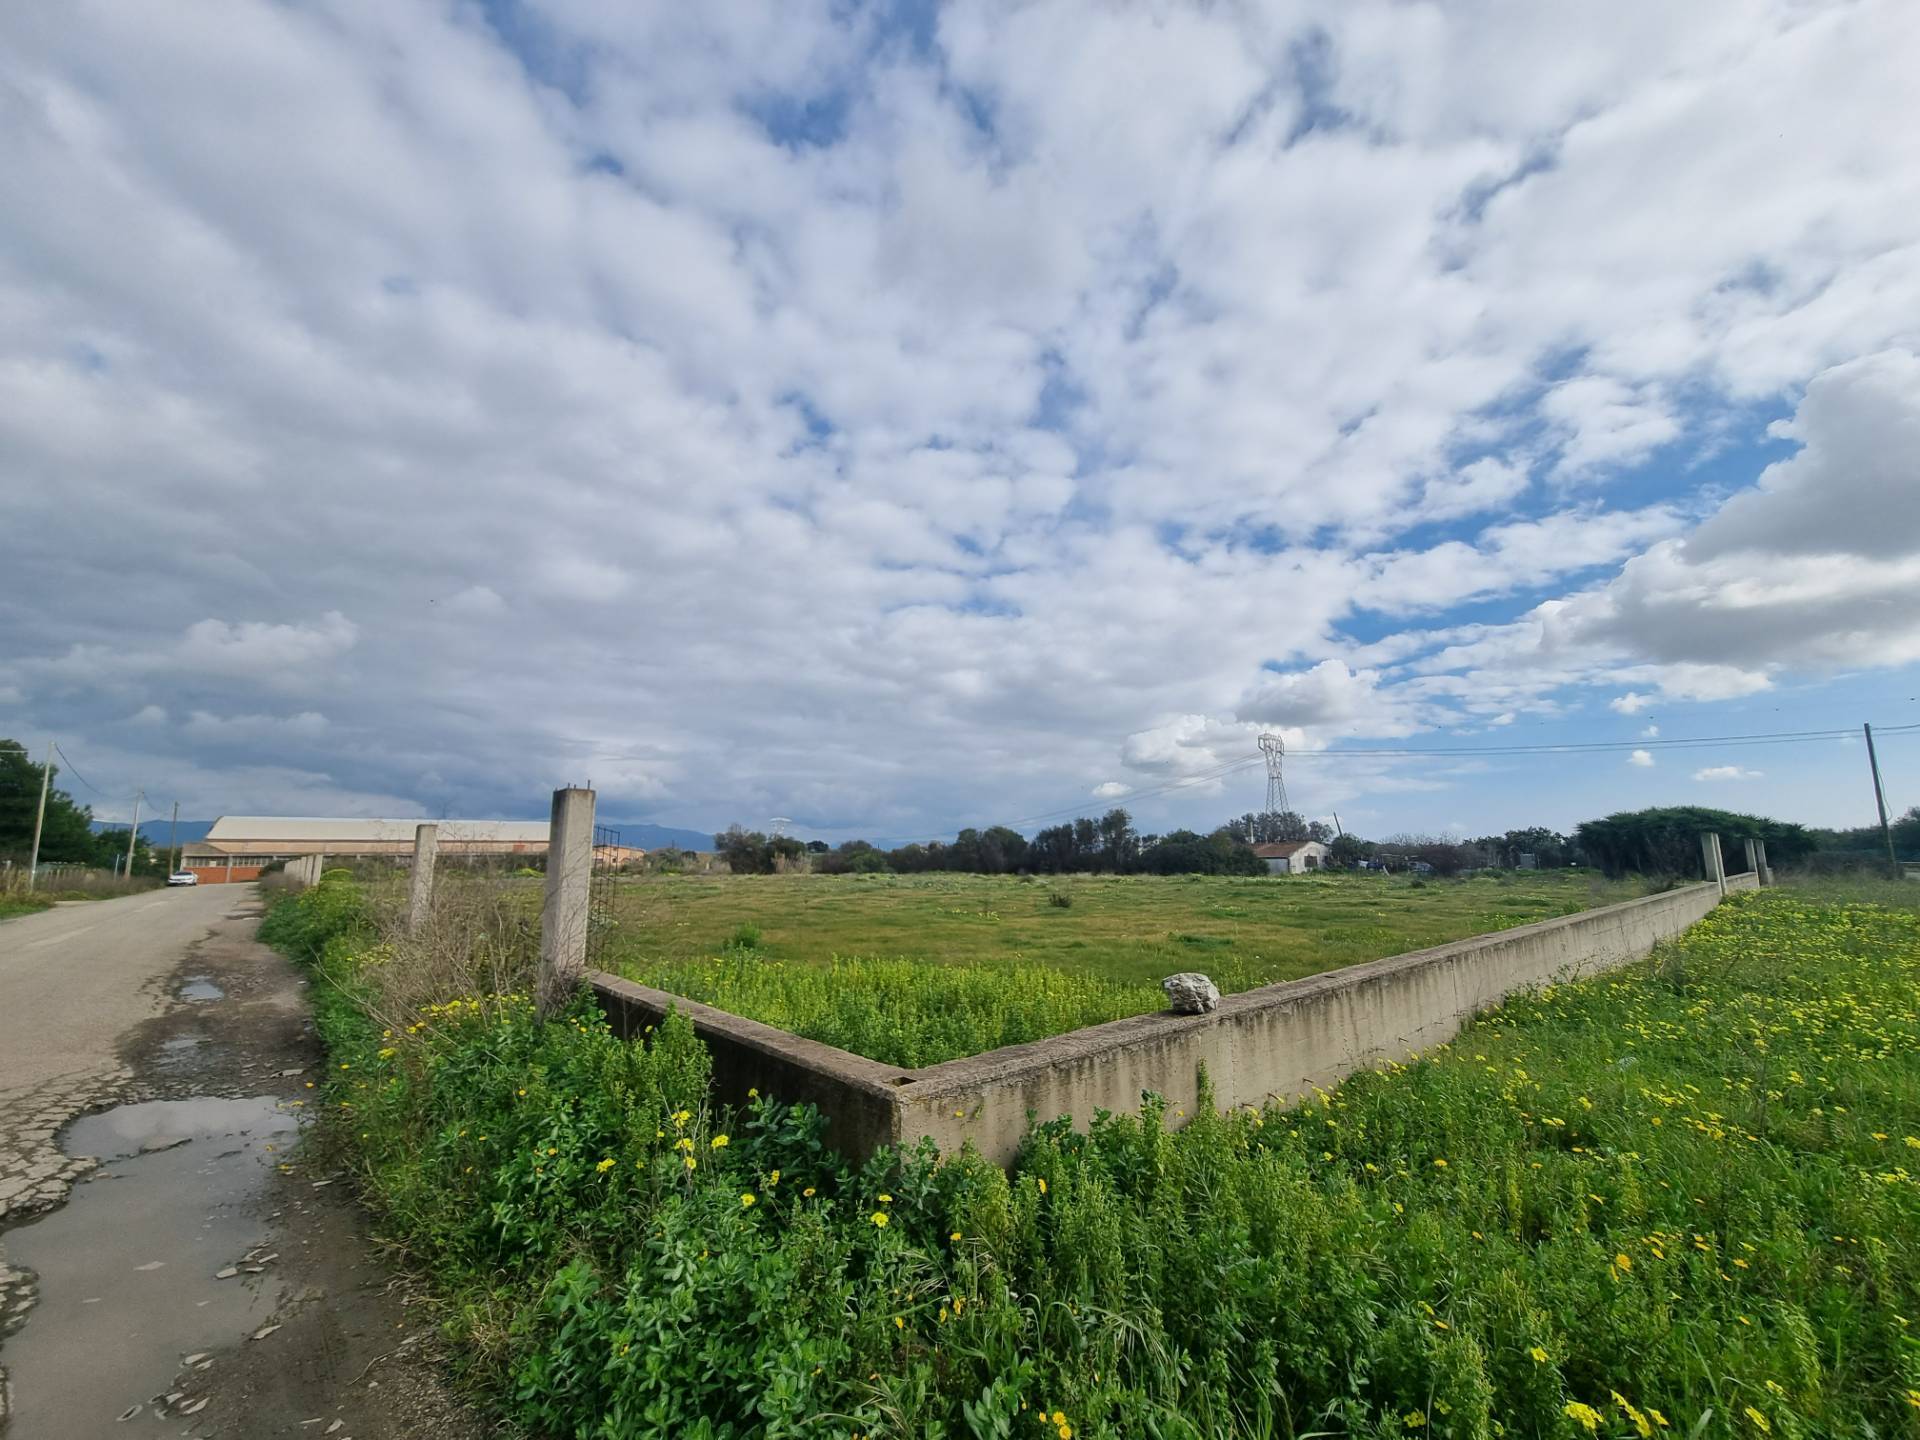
[[1778, 737], [74, 771], [1781, 737]]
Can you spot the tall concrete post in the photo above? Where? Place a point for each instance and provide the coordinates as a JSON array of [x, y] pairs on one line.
[[1753, 857], [1766, 870], [1710, 859], [426, 845], [563, 920]]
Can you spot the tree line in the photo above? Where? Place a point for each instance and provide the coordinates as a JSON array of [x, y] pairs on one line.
[[1111, 845], [67, 836]]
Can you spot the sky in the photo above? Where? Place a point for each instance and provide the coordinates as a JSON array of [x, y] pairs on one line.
[[901, 417]]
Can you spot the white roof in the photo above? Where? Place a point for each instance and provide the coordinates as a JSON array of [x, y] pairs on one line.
[[235, 829]]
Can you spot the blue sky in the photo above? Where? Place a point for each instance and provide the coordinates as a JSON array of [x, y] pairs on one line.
[[900, 417]]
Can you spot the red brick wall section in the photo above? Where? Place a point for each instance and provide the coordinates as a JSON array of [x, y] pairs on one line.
[[220, 875]]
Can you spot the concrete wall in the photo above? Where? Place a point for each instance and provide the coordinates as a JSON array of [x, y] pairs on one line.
[[1277, 1042]]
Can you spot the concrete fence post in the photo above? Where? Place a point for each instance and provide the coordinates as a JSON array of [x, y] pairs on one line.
[[1753, 857], [1766, 870], [426, 846], [1711, 860], [563, 919]]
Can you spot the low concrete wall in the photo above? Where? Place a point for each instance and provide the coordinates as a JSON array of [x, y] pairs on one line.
[[1277, 1042], [855, 1093]]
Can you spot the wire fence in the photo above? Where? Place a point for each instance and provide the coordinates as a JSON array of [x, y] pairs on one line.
[[601, 920]]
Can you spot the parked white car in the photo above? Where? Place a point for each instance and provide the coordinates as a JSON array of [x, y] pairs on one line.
[[183, 877]]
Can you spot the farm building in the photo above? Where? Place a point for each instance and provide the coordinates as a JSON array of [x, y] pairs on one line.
[[1292, 857], [248, 842]]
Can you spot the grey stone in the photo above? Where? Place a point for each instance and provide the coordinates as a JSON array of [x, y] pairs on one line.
[[1190, 993]]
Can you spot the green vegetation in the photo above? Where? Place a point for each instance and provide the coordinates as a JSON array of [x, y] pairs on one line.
[[962, 964], [67, 835], [1666, 841], [1681, 1197], [20, 903]]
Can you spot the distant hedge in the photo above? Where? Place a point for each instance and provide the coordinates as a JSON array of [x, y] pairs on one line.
[[1666, 841]]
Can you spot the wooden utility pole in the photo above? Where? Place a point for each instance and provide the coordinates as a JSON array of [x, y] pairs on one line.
[[40, 816], [1880, 796]]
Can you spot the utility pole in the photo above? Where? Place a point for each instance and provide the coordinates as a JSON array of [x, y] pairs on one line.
[[40, 815], [134, 833], [173, 832], [1880, 796]]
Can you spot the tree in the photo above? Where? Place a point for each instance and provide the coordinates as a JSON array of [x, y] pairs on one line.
[[1347, 851], [67, 836], [747, 852], [1666, 841]]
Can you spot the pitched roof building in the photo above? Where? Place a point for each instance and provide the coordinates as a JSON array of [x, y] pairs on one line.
[[1292, 857], [262, 839]]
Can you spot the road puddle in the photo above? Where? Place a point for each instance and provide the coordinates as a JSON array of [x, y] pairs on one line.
[[199, 987], [154, 1261]]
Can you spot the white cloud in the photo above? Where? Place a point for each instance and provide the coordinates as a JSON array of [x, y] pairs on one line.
[[1631, 703], [1652, 732], [1641, 758], [255, 649], [997, 417], [1726, 772], [1110, 790]]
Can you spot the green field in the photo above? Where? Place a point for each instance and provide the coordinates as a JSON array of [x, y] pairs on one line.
[[913, 970], [1682, 1198]]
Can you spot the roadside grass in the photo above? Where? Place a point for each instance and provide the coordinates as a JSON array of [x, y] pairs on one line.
[[20, 903], [916, 970], [1677, 1198]]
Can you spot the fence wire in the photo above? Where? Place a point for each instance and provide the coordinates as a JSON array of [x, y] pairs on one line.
[[601, 894]]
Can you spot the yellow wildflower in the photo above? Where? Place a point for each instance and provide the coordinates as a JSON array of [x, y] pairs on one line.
[[1585, 1416], [746, 1200]]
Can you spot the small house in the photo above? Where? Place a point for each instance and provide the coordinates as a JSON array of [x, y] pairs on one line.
[[1293, 857]]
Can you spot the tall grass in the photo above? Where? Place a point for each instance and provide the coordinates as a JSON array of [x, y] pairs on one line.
[[904, 1012], [1683, 1197]]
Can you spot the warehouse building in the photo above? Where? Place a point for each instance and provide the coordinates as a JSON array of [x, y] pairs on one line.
[[240, 846]]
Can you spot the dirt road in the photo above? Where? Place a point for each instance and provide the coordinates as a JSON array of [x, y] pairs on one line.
[[175, 1260]]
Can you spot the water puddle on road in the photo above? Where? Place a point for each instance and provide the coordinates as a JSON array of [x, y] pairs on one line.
[[199, 987], [129, 1268]]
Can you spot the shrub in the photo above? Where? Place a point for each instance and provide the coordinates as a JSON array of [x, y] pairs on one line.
[[1059, 900]]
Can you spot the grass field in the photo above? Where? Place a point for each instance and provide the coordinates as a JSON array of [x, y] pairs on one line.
[[916, 970], [1681, 1198]]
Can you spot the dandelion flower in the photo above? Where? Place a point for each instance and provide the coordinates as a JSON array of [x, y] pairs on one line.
[[879, 1217], [746, 1200], [955, 1236], [808, 1192], [886, 1199]]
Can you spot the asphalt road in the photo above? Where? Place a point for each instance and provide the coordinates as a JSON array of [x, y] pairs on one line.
[[75, 978]]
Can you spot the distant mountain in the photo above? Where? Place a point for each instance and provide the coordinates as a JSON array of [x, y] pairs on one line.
[[659, 837], [155, 829]]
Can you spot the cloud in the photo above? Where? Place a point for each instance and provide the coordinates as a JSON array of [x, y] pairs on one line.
[[1726, 772], [1641, 758], [254, 649], [1110, 790], [742, 409], [1631, 703], [1652, 732]]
